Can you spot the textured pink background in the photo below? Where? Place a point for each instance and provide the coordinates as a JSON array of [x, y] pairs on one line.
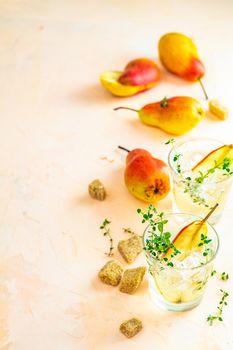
[[56, 124]]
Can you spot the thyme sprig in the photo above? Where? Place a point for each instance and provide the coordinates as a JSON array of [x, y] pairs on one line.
[[192, 186], [170, 141], [159, 241], [176, 157], [223, 165], [107, 233], [204, 243], [128, 230], [223, 276], [218, 314], [194, 190]]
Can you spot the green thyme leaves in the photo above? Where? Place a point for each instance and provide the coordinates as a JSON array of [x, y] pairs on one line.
[[105, 226]]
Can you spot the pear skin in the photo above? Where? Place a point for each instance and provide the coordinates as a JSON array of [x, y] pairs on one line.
[[137, 152], [146, 177], [188, 239], [179, 55], [109, 81], [176, 115], [215, 157], [179, 115], [141, 71], [139, 75]]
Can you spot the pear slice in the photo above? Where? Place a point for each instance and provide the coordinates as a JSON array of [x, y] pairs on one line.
[[188, 240], [215, 157], [109, 80]]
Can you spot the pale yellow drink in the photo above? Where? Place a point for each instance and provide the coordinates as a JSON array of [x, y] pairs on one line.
[[181, 286], [193, 197]]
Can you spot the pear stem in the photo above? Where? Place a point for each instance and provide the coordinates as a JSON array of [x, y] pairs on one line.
[[124, 149], [203, 88], [210, 213], [130, 109]]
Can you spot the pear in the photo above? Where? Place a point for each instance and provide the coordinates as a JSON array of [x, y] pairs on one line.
[[189, 238], [141, 71], [179, 55], [139, 75], [146, 177], [176, 115], [213, 159]]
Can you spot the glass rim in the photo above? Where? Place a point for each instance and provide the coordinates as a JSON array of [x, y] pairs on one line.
[[185, 268], [228, 178]]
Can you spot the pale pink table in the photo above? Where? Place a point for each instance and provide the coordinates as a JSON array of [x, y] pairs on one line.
[[56, 124]]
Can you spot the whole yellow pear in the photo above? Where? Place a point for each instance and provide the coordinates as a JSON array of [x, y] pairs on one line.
[[176, 115], [179, 55]]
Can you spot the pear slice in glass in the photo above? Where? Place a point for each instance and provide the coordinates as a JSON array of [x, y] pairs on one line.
[[213, 159]]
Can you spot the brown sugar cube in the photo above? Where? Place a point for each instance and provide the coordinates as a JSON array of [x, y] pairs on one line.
[[132, 279], [111, 273], [131, 327], [96, 190], [130, 248]]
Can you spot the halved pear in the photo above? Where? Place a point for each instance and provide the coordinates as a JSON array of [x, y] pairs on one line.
[[187, 240], [215, 157], [109, 80]]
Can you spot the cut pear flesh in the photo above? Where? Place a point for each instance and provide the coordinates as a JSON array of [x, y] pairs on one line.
[[109, 80], [187, 240], [218, 109], [215, 157]]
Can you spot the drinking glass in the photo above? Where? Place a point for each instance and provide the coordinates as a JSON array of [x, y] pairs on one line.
[[189, 195], [180, 287]]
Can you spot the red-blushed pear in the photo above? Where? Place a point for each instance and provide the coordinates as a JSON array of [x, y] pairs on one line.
[[139, 75], [176, 115], [135, 153], [214, 159], [189, 238], [146, 177], [179, 55], [141, 71]]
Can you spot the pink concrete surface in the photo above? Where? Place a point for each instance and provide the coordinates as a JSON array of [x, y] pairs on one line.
[[58, 132]]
